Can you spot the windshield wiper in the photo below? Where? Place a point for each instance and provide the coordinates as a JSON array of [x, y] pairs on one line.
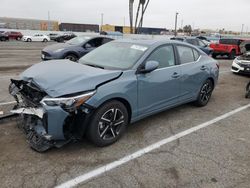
[[96, 66]]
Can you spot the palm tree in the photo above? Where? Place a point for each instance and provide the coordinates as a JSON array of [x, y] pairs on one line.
[[143, 4], [131, 11]]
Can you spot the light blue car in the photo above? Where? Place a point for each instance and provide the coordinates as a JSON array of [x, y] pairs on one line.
[[119, 83]]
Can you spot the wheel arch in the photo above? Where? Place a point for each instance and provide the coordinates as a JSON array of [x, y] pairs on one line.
[[124, 102], [71, 52]]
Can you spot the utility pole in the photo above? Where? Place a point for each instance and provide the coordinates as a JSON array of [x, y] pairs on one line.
[[102, 15], [124, 21], [176, 18], [182, 24], [242, 29]]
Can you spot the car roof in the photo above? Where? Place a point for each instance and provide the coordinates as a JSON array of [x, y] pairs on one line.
[[151, 42]]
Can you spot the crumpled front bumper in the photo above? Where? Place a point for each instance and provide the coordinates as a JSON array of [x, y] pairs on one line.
[[53, 119]]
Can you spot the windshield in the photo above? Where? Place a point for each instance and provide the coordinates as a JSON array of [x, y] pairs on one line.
[[114, 55], [78, 40]]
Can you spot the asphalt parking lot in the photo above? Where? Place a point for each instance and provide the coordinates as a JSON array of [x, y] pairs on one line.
[[217, 155]]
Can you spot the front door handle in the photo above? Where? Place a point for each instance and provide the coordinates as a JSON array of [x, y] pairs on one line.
[[203, 68], [175, 75]]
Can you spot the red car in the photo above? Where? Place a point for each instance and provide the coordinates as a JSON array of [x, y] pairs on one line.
[[229, 47], [14, 35]]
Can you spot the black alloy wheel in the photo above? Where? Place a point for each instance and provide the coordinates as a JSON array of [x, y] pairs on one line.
[[205, 93], [108, 124], [71, 57]]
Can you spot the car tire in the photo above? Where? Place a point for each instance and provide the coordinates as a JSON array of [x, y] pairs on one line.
[[247, 95], [29, 40], [45, 40], [108, 124], [18, 38], [71, 57], [205, 93], [214, 56], [232, 54]]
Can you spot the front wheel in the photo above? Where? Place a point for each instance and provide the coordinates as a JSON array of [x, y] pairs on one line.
[[232, 54], [29, 40], [45, 40], [108, 123], [205, 93], [71, 57]]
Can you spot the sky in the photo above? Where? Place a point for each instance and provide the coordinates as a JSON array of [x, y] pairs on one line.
[[203, 14]]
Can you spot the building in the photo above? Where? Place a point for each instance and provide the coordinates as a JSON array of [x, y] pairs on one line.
[[126, 29], [29, 24], [79, 27]]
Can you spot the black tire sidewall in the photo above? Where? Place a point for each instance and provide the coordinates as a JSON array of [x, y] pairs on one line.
[[200, 103], [92, 132]]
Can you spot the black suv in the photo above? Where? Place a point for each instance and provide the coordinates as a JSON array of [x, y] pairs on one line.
[[65, 36]]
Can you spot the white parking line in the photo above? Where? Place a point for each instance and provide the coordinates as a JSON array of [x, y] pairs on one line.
[[115, 164], [6, 103]]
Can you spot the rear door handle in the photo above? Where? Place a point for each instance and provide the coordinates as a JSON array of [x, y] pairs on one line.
[[175, 75], [203, 67]]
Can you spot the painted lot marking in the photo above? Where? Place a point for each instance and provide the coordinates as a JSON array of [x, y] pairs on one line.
[[115, 164], [6, 103]]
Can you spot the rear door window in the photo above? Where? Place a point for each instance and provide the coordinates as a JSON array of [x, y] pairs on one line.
[[186, 54]]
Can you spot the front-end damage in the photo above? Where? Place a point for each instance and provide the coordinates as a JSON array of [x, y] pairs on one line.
[[49, 122]]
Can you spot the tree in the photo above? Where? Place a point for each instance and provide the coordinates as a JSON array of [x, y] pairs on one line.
[[141, 9], [131, 16], [187, 29]]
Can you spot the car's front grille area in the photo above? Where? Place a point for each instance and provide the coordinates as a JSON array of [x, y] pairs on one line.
[[245, 65], [31, 95]]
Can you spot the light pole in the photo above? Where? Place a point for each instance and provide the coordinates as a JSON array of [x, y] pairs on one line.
[[176, 18], [242, 29]]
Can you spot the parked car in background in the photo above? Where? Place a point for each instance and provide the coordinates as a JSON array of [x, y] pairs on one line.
[[74, 49], [52, 36], [116, 84], [196, 42], [227, 46], [36, 38], [64, 37], [241, 64], [14, 35], [3, 36]]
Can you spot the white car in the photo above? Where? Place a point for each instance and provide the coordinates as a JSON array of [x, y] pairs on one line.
[[37, 38]]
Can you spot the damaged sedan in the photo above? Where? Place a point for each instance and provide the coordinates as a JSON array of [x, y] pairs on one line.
[[117, 84]]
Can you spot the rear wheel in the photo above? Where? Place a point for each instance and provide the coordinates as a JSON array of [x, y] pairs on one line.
[[71, 57], [214, 56], [108, 124], [29, 40], [205, 93], [45, 40], [248, 91], [232, 54]]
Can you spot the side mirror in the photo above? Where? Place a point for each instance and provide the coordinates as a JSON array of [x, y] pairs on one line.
[[87, 46], [149, 67]]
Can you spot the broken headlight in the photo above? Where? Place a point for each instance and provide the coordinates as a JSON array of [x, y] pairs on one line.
[[68, 102]]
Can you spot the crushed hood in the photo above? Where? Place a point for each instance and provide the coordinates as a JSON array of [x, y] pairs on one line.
[[245, 47], [63, 77]]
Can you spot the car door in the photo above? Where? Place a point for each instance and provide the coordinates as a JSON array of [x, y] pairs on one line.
[[160, 88], [193, 72]]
